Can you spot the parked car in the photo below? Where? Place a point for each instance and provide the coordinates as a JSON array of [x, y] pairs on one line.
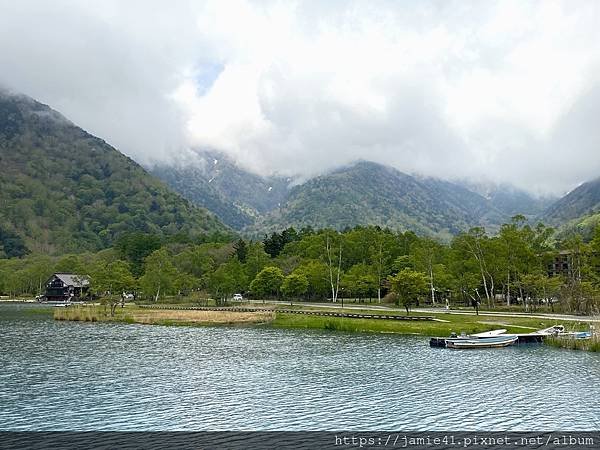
[[238, 297]]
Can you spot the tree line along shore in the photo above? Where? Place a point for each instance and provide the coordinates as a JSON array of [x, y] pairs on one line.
[[521, 267]]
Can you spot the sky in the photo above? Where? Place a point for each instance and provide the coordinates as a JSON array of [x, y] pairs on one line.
[[492, 91]]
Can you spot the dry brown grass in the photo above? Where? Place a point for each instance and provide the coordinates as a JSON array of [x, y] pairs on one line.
[[164, 316], [199, 317]]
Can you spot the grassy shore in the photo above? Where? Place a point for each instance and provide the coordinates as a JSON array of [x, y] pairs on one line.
[[443, 324]]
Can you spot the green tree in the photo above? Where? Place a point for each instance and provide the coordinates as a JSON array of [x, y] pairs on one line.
[[268, 282], [228, 279], [159, 274], [113, 279], [294, 285], [135, 247], [360, 281], [71, 264], [256, 260], [475, 245], [426, 254], [316, 273], [241, 250], [409, 285]]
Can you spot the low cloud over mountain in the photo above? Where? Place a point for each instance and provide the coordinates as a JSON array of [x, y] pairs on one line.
[[490, 91]]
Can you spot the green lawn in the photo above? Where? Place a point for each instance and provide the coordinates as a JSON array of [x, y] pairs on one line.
[[445, 324]]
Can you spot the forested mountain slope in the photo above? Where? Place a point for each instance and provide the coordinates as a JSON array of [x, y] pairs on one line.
[[211, 180], [64, 190], [371, 194], [579, 209]]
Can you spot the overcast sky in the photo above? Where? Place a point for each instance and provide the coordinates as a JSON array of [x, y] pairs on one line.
[[502, 91]]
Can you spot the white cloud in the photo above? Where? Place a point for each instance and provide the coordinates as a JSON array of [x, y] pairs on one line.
[[494, 90]]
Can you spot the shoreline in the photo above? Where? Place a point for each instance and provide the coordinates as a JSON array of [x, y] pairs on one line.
[[177, 315]]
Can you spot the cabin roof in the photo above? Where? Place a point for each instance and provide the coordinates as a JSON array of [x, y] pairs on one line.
[[71, 279]]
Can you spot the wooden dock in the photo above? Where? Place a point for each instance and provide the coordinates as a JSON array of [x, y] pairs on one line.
[[307, 312]]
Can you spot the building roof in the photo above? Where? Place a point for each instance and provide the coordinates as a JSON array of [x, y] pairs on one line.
[[71, 279]]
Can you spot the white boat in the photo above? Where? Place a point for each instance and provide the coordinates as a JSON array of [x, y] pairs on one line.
[[554, 330], [489, 333], [481, 342]]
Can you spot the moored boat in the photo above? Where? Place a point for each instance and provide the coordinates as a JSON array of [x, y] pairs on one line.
[[481, 342]]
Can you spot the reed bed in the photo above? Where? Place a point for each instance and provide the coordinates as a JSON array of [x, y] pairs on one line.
[[162, 317], [201, 317], [81, 314], [590, 345]]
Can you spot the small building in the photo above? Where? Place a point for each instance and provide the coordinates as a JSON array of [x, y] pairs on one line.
[[560, 264], [62, 287]]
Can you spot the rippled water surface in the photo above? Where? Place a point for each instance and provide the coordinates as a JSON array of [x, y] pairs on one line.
[[81, 376]]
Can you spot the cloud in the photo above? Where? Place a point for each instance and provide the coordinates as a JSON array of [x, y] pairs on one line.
[[494, 91]]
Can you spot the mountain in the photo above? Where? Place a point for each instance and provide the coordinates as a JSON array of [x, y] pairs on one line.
[[369, 193], [580, 208], [213, 181], [511, 200], [64, 190], [581, 201]]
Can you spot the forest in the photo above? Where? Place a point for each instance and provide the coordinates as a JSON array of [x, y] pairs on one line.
[[521, 266]]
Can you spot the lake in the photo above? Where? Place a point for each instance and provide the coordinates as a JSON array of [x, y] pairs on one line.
[[84, 376]]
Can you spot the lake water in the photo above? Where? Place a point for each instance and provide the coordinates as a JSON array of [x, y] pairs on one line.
[[83, 376]]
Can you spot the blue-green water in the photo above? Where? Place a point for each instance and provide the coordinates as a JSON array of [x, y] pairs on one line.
[[82, 376]]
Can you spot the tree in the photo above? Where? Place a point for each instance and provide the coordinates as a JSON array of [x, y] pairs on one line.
[[268, 282], [360, 281], [273, 244], [228, 279], [294, 285], [135, 247], [541, 287], [11, 245], [380, 256], [334, 265], [196, 262], [113, 279], [475, 244], [70, 264], [256, 259], [424, 255], [409, 285], [241, 250], [316, 272], [159, 274]]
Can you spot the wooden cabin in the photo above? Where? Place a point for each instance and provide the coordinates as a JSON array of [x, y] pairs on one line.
[[62, 287]]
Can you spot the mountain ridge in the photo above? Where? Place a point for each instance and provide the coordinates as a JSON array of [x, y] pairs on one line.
[[368, 193], [423, 204]]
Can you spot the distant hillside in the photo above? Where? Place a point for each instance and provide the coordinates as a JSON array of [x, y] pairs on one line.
[[369, 193], [511, 200], [213, 181], [64, 190], [581, 201], [579, 209]]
